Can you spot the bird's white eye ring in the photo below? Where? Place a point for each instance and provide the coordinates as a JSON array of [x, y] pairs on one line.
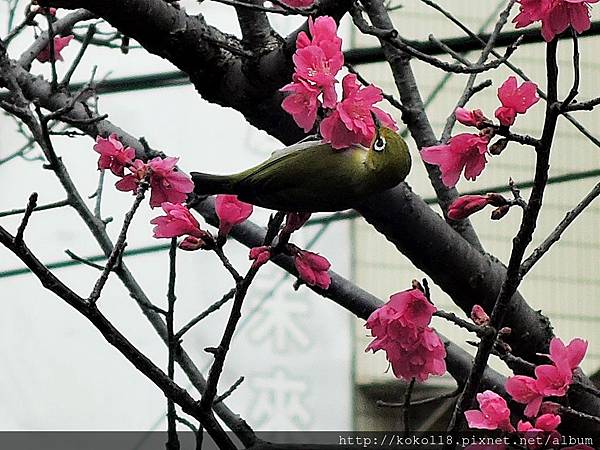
[[379, 144]]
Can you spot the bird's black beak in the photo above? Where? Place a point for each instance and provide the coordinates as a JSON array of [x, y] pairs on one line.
[[377, 124]]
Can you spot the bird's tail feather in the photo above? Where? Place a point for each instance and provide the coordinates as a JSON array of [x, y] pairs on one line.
[[207, 184]]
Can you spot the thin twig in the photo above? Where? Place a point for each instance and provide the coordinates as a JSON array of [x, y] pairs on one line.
[[227, 264], [406, 407], [220, 352], [424, 401], [120, 244], [53, 205], [469, 326], [229, 391], [84, 45], [556, 234], [576, 73], [52, 51], [87, 262], [390, 98], [31, 204], [172, 441], [212, 308]]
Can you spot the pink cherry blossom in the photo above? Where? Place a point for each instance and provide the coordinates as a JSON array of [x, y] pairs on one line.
[[474, 118], [464, 206], [60, 43], [553, 380], [178, 221], [315, 66], [313, 269], [351, 122], [298, 3], [413, 307], [493, 413], [260, 255], [323, 31], [515, 100], [113, 154], [556, 15], [464, 151], [167, 183], [231, 212], [525, 390], [570, 356], [302, 104]]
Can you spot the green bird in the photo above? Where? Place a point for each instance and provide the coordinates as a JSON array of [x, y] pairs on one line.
[[313, 177]]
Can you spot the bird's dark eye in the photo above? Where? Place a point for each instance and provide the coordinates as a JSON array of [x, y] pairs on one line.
[[379, 144]]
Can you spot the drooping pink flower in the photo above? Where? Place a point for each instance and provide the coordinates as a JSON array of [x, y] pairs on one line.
[[113, 154], [231, 212], [177, 222], [531, 11], [302, 103], [464, 151], [260, 255], [425, 358], [298, 3], [493, 413], [570, 356], [525, 390], [313, 269], [60, 43], [167, 183], [351, 122], [515, 99], [400, 329], [465, 205], [553, 380], [472, 118], [479, 316]]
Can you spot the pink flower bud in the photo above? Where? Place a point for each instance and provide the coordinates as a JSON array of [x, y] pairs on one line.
[[260, 255], [466, 205], [191, 243], [500, 212], [474, 118], [479, 316], [549, 408], [493, 413], [313, 269]]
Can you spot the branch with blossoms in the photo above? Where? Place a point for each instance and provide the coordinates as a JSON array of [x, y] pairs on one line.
[[308, 65]]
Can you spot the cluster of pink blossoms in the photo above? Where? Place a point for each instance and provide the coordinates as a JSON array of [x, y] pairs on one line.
[[466, 152], [169, 189], [401, 329], [167, 184], [317, 61], [556, 15], [552, 380]]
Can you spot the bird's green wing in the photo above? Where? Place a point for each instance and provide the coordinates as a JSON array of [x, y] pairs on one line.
[[309, 176]]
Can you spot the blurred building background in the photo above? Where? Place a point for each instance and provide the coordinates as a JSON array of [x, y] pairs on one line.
[[302, 357]]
